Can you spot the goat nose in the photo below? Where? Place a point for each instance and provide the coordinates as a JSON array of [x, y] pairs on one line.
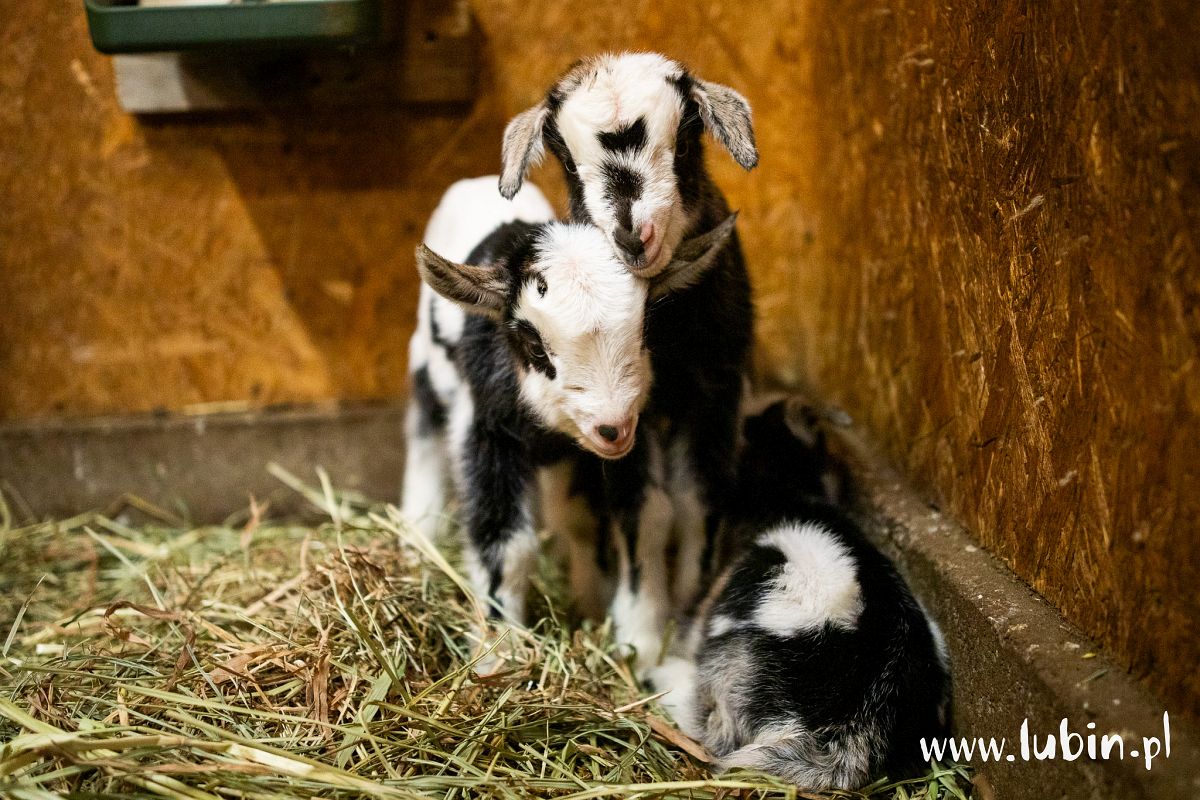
[[647, 233], [629, 242], [608, 433]]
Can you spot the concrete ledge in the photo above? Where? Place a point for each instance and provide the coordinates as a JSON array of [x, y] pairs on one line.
[[1015, 658], [202, 467]]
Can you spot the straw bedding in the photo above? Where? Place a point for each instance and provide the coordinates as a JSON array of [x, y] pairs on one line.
[[143, 657]]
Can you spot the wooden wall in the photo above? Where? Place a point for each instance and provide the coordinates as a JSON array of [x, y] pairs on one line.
[[974, 228]]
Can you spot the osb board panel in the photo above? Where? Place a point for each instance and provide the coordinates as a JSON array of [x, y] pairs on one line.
[[259, 258], [972, 227], [1002, 287]]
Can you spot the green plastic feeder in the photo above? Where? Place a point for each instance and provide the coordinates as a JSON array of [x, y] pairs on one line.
[[120, 27]]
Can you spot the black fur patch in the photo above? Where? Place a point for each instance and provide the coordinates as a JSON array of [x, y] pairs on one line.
[[689, 144], [622, 187], [432, 413], [621, 183], [555, 143], [532, 350], [435, 331], [630, 137]]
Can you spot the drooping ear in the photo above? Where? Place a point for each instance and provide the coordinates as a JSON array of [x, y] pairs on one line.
[[726, 115], [804, 421], [481, 289], [522, 148], [692, 259]]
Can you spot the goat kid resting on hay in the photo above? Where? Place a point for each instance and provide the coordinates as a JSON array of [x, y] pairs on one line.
[[566, 324]]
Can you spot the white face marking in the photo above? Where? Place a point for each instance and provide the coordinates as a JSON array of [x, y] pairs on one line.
[[618, 92], [818, 584], [589, 317]]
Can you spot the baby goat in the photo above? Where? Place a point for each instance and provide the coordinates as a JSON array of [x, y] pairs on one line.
[[627, 130], [547, 365], [810, 658]]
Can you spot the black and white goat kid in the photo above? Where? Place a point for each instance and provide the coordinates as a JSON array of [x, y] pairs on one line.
[[547, 365], [810, 658], [627, 130]]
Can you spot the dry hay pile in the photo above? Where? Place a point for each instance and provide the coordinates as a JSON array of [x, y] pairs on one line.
[[272, 660]]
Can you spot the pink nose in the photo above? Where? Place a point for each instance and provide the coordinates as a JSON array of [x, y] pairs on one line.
[[617, 433], [647, 233]]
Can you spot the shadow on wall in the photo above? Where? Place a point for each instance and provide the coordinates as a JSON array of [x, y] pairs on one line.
[[337, 198]]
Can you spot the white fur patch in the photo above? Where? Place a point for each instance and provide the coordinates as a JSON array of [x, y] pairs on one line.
[[472, 208], [519, 560], [424, 494], [677, 677], [791, 752], [720, 625], [818, 584], [618, 90], [590, 320], [462, 417]]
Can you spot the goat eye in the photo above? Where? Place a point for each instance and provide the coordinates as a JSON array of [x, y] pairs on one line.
[[541, 286]]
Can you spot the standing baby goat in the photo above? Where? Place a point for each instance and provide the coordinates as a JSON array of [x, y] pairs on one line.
[[627, 130], [547, 365], [810, 658]]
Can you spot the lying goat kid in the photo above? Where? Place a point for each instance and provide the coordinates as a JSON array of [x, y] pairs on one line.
[[548, 365], [810, 658]]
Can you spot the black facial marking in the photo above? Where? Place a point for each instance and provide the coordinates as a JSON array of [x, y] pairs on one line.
[[622, 187], [621, 183], [630, 137], [529, 345]]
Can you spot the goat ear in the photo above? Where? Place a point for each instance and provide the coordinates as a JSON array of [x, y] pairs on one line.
[[692, 259], [481, 289], [726, 115], [522, 148], [804, 421]]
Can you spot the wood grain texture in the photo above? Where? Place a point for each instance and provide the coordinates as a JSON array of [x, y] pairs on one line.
[[1003, 288], [974, 228], [258, 258]]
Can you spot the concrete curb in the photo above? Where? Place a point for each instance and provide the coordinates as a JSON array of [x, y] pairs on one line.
[[205, 466]]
